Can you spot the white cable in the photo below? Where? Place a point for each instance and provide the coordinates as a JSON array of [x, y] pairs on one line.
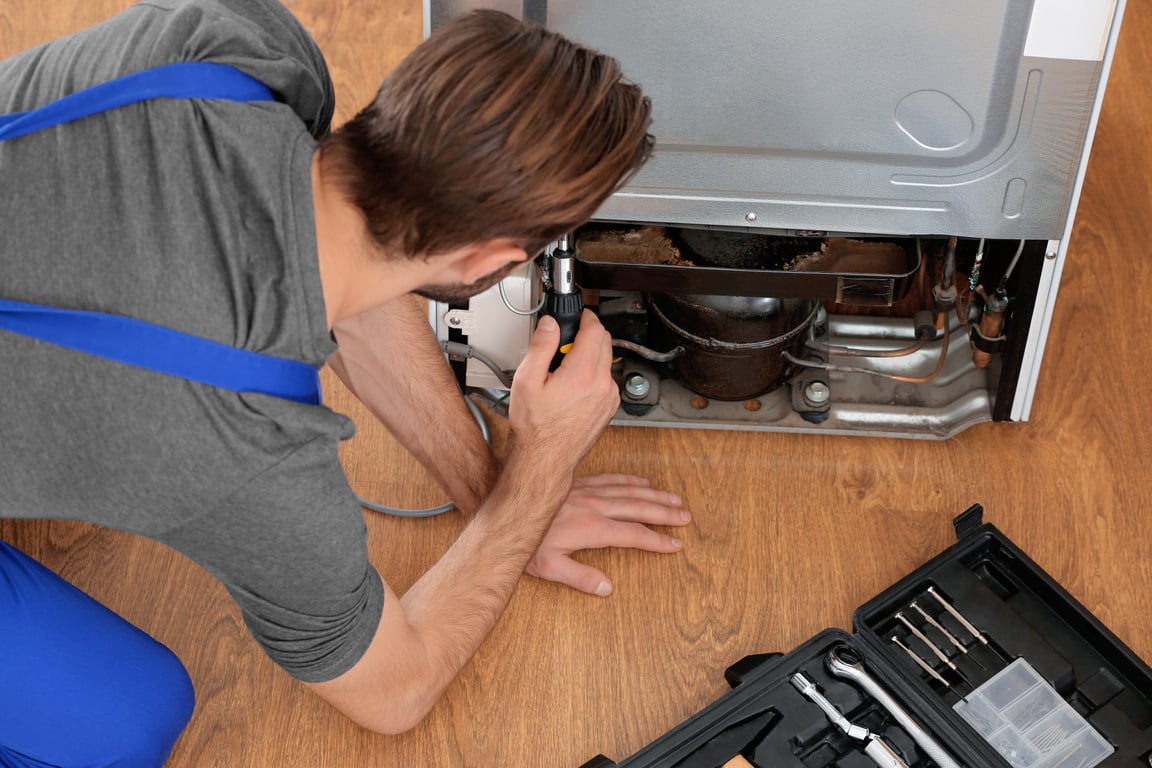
[[522, 312]]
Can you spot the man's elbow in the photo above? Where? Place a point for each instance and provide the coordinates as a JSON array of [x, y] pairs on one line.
[[387, 714], [392, 724]]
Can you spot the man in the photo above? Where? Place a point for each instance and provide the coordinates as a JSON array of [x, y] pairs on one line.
[[248, 223]]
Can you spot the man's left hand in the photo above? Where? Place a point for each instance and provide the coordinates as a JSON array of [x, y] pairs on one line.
[[605, 511]]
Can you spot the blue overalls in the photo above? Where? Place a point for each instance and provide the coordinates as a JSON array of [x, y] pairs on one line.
[[79, 685]]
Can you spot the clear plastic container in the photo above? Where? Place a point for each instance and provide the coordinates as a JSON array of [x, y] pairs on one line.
[[1029, 724]]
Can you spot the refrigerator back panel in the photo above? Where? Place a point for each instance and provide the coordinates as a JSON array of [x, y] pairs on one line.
[[951, 136], [924, 117]]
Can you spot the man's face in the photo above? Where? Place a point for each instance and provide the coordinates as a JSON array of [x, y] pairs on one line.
[[457, 293]]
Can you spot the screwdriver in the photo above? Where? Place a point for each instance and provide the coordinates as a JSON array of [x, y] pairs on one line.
[[563, 299]]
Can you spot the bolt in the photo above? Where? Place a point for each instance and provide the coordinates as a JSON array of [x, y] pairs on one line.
[[752, 405], [699, 403], [454, 321], [817, 393], [1050, 256], [637, 386], [750, 217]]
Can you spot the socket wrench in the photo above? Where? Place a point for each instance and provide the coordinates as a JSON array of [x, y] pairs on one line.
[[875, 747], [844, 662]]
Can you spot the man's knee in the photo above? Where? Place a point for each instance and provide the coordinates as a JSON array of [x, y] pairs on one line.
[[162, 711], [79, 685], [147, 699], [125, 717]]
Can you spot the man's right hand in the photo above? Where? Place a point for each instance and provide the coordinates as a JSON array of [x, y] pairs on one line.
[[561, 414]]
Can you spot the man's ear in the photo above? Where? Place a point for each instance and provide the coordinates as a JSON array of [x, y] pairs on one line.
[[487, 257]]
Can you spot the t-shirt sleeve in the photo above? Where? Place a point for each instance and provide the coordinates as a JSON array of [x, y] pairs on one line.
[[259, 37], [291, 549]]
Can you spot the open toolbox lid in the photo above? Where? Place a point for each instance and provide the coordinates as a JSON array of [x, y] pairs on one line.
[[1085, 699]]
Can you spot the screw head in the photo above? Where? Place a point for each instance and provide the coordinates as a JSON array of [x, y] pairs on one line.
[[750, 217], [637, 386], [817, 393]]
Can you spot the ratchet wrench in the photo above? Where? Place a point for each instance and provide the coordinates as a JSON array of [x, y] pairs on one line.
[[882, 754], [844, 662]]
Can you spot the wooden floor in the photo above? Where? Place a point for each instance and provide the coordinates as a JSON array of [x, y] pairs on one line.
[[790, 532]]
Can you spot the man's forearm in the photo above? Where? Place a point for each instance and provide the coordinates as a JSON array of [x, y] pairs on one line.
[[426, 637], [390, 360], [457, 602]]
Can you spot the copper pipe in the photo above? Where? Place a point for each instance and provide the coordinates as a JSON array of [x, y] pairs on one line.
[[833, 349], [991, 327], [895, 377]]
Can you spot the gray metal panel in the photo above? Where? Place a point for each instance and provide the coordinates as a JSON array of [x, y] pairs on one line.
[[894, 117]]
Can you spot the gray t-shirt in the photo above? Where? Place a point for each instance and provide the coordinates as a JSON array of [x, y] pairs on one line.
[[195, 215]]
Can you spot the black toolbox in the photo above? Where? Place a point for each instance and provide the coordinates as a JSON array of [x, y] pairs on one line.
[[1010, 671]]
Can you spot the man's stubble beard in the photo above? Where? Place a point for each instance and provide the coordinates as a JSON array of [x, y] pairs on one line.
[[457, 293]]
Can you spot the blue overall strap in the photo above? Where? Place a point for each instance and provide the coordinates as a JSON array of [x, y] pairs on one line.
[[185, 80], [156, 348], [135, 342]]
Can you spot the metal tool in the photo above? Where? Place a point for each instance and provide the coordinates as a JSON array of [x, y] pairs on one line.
[[958, 616], [844, 662], [922, 664], [875, 747], [938, 626], [563, 299], [924, 639]]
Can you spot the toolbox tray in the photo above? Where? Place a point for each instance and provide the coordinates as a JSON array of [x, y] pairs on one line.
[[1018, 607]]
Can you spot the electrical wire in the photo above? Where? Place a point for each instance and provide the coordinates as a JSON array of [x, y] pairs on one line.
[[974, 280], [460, 351], [499, 405], [515, 310], [1008, 273], [430, 511]]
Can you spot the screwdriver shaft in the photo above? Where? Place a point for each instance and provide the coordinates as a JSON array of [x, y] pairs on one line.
[[958, 616], [919, 661], [915, 630], [932, 622]]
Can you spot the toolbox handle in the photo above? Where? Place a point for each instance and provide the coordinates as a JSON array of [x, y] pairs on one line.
[[736, 673], [600, 761], [968, 521]]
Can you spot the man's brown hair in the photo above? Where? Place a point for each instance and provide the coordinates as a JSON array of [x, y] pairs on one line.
[[491, 128]]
